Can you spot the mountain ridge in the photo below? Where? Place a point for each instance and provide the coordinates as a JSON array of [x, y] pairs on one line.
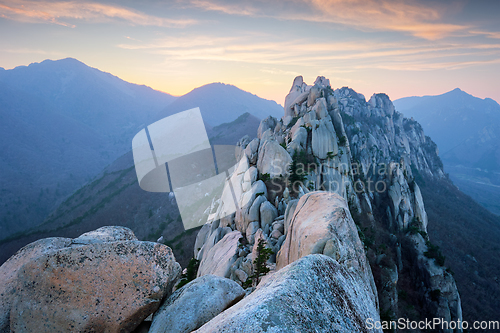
[[223, 103], [408, 102], [466, 130], [115, 189], [415, 261], [62, 123], [334, 159]]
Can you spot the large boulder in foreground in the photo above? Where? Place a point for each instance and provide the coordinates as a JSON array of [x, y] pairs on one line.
[[103, 281], [10, 269], [322, 223], [195, 304], [313, 294]]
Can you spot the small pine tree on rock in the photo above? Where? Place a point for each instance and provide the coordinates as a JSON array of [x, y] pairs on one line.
[[260, 267], [297, 170]]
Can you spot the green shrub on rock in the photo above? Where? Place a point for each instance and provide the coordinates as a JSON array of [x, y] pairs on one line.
[[191, 271]]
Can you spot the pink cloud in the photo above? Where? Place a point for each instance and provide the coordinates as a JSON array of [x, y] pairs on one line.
[[60, 12], [409, 17]]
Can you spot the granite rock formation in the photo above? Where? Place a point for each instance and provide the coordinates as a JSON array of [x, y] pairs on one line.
[[348, 189]]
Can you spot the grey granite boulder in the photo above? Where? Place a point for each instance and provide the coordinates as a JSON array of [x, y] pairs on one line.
[[273, 159], [195, 304], [267, 214], [313, 294], [266, 124], [105, 234]]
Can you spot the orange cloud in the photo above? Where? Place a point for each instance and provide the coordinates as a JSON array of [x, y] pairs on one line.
[[403, 16], [422, 66], [22, 14], [60, 12], [383, 15]]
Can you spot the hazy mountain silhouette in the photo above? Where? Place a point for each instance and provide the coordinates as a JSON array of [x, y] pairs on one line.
[[231, 133], [115, 198], [467, 132], [223, 103], [61, 123]]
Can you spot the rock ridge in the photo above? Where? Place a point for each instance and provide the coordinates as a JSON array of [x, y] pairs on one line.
[[367, 159]]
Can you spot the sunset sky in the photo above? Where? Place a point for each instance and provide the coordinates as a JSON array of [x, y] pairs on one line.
[[402, 48]]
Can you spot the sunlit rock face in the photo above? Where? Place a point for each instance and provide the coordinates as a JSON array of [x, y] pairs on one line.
[[321, 223], [105, 280]]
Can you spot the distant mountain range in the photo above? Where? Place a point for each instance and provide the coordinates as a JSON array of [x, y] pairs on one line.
[[467, 132], [223, 103], [62, 122], [115, 198]]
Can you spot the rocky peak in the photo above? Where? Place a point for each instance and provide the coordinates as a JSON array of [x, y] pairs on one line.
[[381, 105], [334, 142], [322, 82]]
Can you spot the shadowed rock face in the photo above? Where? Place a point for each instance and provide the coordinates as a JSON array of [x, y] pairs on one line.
[[195, 304], [313, 294], [111, 283]]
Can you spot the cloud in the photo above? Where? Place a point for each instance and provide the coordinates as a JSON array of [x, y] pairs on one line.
[[240, 8], [26, 15], [489, 34], [327, 55], [410, 17], [173, 42], [34, 51], [61, 12], [423, 66], [276, 71]]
